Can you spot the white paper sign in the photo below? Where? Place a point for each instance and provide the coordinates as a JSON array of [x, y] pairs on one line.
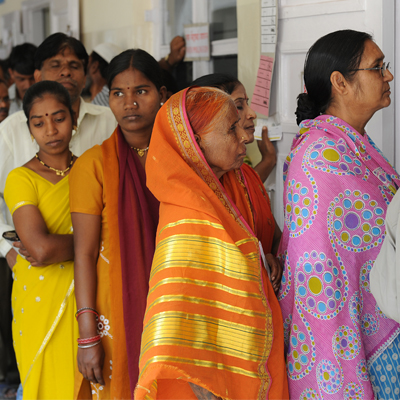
[[274, 132], [197, 42]]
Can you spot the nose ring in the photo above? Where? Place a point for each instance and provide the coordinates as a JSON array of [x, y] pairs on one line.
[[135, 104], [242, 137]]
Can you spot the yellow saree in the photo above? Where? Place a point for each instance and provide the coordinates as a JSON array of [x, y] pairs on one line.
[[43, 301]]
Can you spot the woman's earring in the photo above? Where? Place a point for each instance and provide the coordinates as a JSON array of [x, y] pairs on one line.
[[75, 128], [161, 104], [33, 138]]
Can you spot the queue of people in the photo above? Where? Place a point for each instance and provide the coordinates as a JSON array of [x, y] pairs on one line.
[[147, 257]]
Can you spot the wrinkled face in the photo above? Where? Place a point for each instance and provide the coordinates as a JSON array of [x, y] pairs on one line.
[[246, 114], [224, 148], [371, 90], [65, 68], [22, 82], [135, 101], [4, 102], [50, 123]]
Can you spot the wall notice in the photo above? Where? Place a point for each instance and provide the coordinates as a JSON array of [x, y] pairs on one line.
[[269, 29], [261, 94], [197, 38]]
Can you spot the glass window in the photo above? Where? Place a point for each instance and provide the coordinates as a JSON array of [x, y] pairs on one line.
[[226, 65], [223, 19], [177, 13]]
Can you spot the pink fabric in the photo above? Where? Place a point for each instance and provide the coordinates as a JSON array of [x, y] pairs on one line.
[[337, 189]]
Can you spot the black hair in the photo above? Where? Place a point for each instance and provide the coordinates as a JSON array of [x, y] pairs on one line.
[[138, 59], [39, 89], [103, 64], [225, 82], [21, 59], [338, 51], [56, 43], [169, 81], [4, 67]]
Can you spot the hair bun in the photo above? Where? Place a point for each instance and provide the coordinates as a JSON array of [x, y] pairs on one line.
[[306, 108]]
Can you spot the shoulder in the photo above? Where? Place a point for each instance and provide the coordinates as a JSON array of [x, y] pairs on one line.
[[13, 121], [20, 172], [19, 179], [91, 156], [94, 109], [98, 118]]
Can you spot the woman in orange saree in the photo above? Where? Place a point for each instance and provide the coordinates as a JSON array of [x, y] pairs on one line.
[[213, 326], [115, 219]]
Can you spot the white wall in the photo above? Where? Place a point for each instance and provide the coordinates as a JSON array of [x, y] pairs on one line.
[[301, 23], [118, 21], [9, 6]]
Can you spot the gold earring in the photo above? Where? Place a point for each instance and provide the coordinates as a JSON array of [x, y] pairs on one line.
[[33, 138]]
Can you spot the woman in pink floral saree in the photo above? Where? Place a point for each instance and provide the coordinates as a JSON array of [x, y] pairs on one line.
[[338, 186]]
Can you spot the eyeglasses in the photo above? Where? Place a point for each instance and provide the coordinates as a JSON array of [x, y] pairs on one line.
[[383, 69]]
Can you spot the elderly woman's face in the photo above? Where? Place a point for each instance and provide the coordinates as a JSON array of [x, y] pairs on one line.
[[224, 147], [371, 90]]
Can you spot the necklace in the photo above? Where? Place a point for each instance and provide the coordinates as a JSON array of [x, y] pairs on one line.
[[140, 151], [59, 172]]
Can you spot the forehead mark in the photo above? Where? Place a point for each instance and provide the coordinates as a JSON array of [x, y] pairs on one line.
[[47, 115]]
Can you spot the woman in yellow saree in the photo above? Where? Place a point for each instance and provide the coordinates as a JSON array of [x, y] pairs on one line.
[[37, 194]]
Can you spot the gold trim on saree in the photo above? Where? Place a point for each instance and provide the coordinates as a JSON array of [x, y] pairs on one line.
[[51, 330]]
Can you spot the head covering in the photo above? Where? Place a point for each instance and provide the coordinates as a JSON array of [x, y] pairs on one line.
[[212, 317], [107, 51]]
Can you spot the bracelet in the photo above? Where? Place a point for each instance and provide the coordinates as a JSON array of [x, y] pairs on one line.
[[87, 346], [89, 340], [86, 311], [85, 308]]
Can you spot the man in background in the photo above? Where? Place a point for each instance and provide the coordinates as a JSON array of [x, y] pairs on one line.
[[99, 59], [105, 52], [4, 101], [20, 68]]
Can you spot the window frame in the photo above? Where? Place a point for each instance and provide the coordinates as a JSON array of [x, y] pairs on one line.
[[200, 14]]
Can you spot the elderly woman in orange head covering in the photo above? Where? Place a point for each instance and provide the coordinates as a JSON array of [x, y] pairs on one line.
[[213, 327]]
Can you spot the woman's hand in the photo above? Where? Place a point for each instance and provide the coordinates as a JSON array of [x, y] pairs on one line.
[[276, 271], [266, 147], [177, 50], [268, 156], [90, 363], [24, 252], [11, 258]]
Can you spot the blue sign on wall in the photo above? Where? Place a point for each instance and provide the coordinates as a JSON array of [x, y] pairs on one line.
[[2, 1]]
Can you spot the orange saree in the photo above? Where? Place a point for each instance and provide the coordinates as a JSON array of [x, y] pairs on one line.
[[212, 317], [113, 182]]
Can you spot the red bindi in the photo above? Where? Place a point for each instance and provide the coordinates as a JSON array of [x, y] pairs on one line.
[[47, 115], [128, 88]]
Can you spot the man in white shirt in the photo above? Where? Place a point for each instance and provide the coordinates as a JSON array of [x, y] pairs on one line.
[[62, 59], [20, 68]]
